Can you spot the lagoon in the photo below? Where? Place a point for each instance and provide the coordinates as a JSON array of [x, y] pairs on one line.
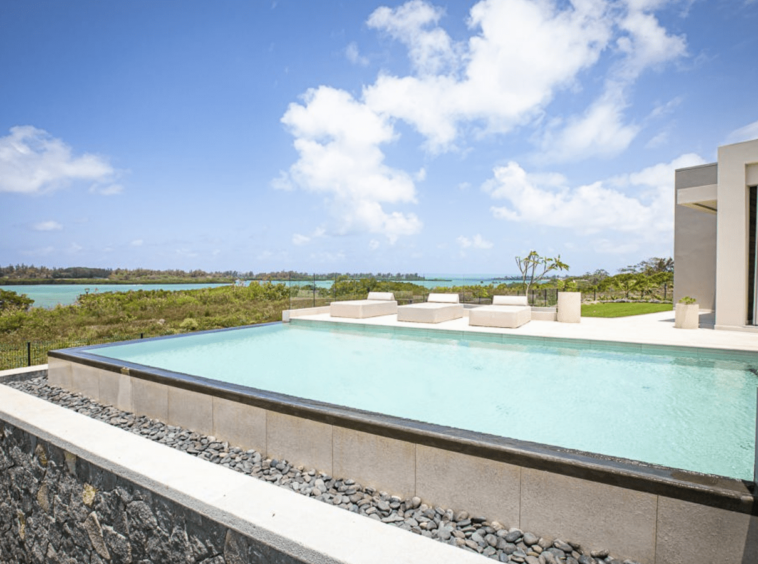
[[51, 295]]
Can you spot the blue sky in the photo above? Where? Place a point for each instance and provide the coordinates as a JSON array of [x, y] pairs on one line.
[[362, 135]]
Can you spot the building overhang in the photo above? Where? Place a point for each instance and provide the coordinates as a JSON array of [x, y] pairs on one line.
[[700, 198]]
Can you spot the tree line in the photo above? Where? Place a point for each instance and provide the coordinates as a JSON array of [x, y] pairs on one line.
[[18, 272]]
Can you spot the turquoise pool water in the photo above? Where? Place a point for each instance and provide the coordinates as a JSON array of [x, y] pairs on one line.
[[670, 409]]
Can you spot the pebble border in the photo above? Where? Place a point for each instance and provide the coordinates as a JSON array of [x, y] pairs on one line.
[[468, 532]]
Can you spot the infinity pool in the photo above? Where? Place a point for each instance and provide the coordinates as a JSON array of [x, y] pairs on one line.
[[672, 409]]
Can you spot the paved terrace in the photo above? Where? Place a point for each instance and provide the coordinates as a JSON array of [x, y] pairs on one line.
[[649, 329]]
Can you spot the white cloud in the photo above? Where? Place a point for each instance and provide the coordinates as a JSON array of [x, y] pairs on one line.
[[299, 239], [602, 130], [476, 242], [746, 133], [47, 226], [327, 257], [107, 190], [415, 24], [338, 141], [74, 248], [354, 56], [608, 247], [137, 243], [640, 203], [660, 140], [282, 182], [646, 43], [373, 244], [519, 53], [33, 161], [40, 252]]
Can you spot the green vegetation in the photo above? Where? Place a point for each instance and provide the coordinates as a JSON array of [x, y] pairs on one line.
[[29, 274], [651, 279], [24, 274], [688, 300], [154, 312], [622, 309], [13, 301]]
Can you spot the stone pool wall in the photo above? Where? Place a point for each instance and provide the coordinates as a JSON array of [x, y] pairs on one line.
[[57, 507]]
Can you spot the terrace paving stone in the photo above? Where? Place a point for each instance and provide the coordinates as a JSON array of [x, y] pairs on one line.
[[648, 329]]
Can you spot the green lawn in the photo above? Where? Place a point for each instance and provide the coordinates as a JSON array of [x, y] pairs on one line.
[[622, 310]]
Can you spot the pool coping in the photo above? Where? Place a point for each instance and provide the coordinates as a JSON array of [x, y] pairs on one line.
[[704, 489]]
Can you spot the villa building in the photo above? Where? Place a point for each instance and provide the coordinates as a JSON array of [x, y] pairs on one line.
[[715, 236]]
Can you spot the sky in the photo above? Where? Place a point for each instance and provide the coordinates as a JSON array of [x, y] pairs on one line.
[[361, 136]]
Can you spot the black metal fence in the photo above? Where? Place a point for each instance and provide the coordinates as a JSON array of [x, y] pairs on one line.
[[35, 352], [305, 295]]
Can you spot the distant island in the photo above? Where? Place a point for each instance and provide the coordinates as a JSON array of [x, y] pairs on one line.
[[24, 275]]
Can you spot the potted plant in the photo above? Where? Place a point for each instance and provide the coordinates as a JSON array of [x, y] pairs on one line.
[[687, 314], [569, 302]]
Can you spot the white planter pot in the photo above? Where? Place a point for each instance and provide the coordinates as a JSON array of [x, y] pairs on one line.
[[687, 316], [569, 307]]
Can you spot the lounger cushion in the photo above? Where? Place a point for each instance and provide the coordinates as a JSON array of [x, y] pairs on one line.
[[361, 309], [505, 316], [430, 312], [381, 296], [443, 298], [510, 300]]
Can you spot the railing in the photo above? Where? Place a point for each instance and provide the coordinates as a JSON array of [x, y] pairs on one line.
[[32, 353], [321, 292]]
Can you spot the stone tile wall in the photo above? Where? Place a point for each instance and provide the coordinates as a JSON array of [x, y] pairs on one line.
[[57, 508]]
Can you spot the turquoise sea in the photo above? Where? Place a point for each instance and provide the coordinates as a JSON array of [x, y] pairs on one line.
[[50, 295]]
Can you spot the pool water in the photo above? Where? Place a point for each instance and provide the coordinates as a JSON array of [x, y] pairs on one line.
[[693, 413]]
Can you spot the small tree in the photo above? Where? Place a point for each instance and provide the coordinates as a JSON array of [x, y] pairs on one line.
[[11, 300], [534, 268], [643, 283], [626, 281]]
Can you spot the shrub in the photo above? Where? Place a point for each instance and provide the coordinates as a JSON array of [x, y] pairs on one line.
[[189, 324]]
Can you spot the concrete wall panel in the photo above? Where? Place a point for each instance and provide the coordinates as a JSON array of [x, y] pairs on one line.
[[462, 482], [86, 380], [116, 390], [59, 373], [190, 409], [688, 532], [150, 398], [240, 424], [375, 461], [300, 441], [593, 514]]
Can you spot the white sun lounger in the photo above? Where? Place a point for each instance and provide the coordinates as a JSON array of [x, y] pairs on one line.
[[378, 303], [508, 312], [438, 308]]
